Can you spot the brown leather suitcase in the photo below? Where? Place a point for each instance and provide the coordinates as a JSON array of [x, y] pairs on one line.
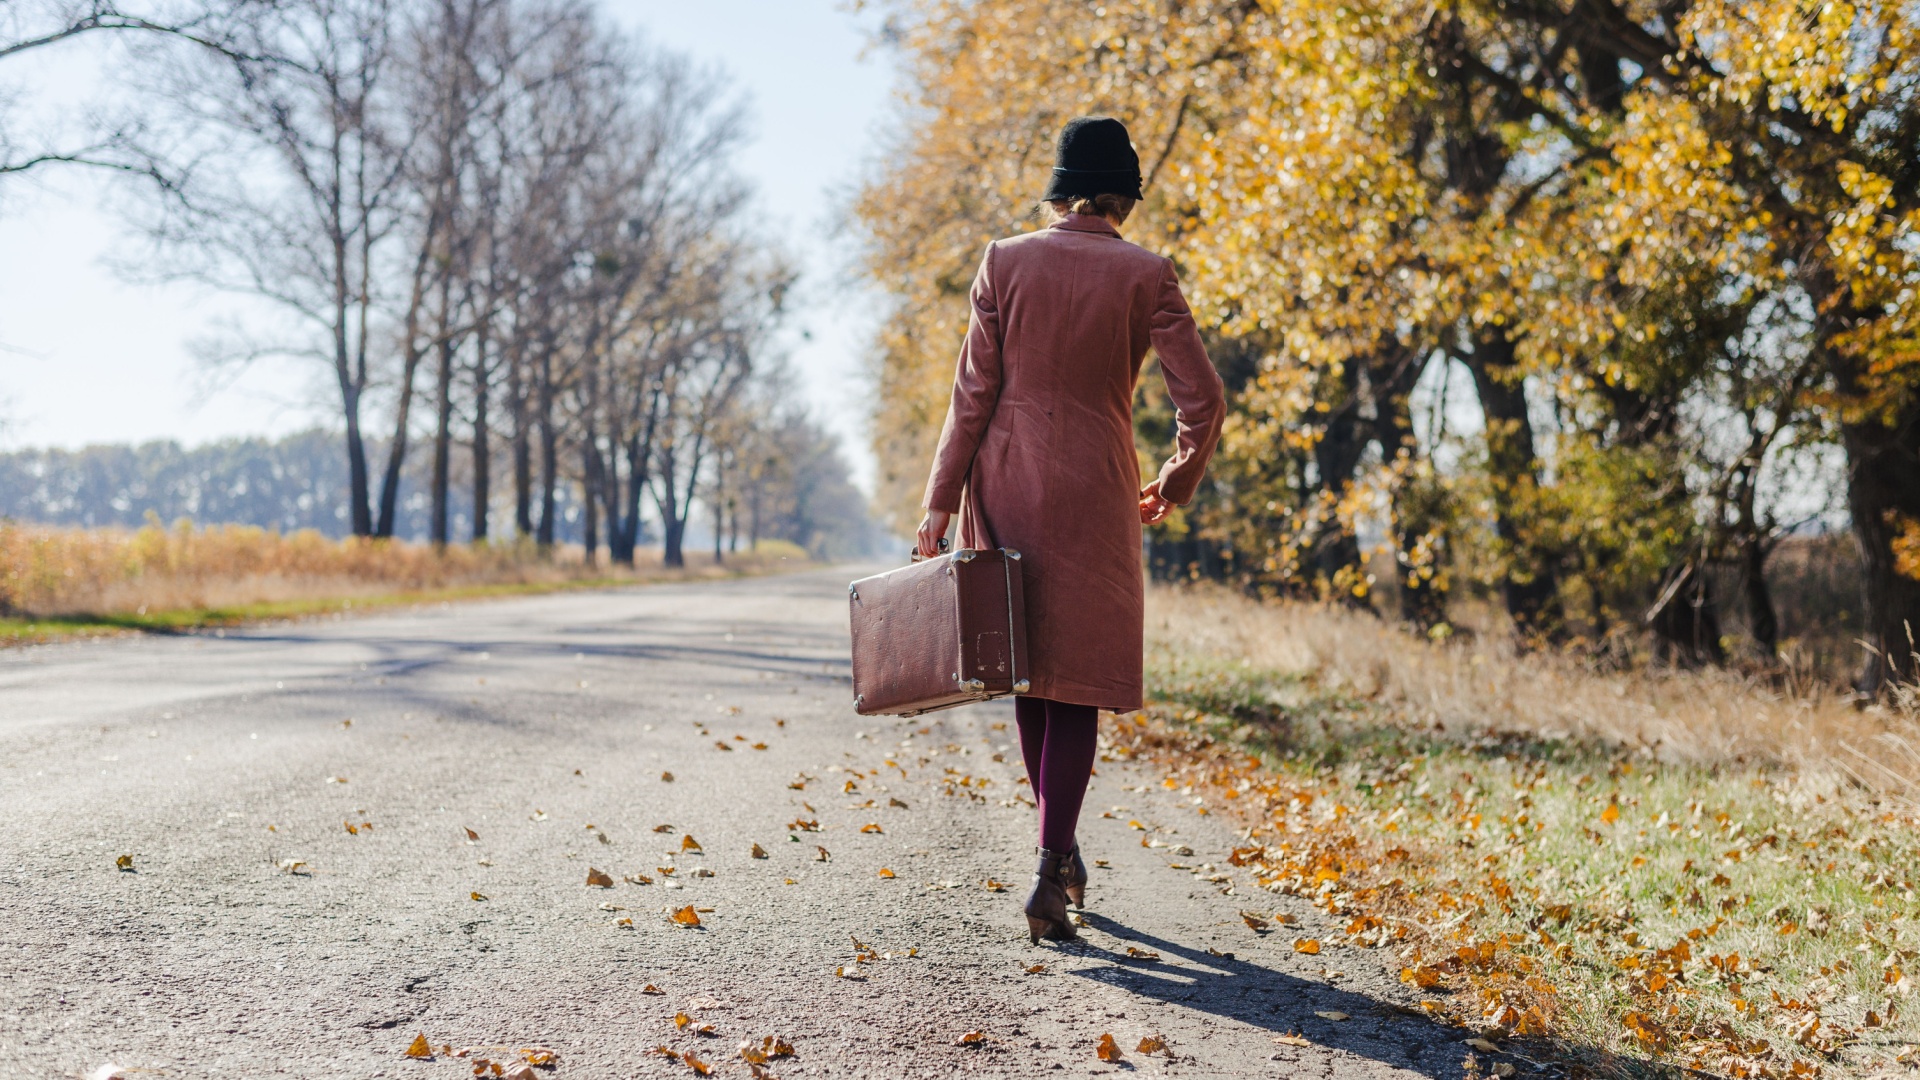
[[947, 631]]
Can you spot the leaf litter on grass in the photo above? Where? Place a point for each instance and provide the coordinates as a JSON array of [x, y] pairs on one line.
[[1735, 920]]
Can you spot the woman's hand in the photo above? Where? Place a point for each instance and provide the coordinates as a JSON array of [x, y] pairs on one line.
[[1153, 508], [933, 528]]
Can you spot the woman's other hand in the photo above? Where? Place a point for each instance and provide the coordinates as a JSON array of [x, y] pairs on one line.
[[933, 528], [1153, 508]]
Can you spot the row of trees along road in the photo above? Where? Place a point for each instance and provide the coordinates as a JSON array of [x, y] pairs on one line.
[[501, 226], [1670, 250]]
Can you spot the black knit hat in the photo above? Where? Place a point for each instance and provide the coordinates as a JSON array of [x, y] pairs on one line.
[[1094, 157]]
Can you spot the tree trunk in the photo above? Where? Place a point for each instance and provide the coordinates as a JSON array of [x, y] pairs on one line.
[[548, 449], [590, 505], [1686, 621], [482, 456], [1883, 494], [357, 467], [1334, 548], [1532, 586], [397, 450], [522, 443], [442, 429], [1762, 621]]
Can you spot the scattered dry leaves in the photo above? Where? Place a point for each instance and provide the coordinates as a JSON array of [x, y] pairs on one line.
[[686, 916], [1108, 1050]]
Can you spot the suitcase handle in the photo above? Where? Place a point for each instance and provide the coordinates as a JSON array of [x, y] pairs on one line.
[[917, 557]]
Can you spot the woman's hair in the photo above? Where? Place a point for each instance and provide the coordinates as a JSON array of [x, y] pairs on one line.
[[1116, 207]]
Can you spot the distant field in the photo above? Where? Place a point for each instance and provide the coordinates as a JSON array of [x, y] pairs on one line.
[[67, 582]]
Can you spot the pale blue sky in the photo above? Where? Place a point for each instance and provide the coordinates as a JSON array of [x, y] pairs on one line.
[[86, 357]]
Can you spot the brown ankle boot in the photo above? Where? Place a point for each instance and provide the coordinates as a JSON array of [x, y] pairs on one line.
[[1073, 877], [1047, 903]]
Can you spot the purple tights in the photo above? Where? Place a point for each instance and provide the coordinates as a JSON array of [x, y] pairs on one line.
[[1058, 742]]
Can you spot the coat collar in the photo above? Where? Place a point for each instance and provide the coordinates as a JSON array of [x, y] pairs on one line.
[[1092, 223]]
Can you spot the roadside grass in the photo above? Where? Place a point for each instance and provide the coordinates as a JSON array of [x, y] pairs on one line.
[[1562, 894], [65, 583]]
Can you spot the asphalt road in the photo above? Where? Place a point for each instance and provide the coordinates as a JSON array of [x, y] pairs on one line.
[[257, 935]]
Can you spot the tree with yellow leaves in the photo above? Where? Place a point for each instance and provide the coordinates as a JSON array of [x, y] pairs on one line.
[[1622, 221]]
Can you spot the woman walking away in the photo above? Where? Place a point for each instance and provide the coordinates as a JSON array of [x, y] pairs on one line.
[[1037, 455]]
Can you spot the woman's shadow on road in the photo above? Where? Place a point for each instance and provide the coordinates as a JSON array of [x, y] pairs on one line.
[[1222, 985]]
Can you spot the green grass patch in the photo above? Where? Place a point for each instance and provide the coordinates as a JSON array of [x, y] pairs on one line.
[[1731, 919]]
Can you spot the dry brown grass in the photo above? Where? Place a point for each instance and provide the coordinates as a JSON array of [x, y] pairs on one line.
[[1693, 717], [51, 572]]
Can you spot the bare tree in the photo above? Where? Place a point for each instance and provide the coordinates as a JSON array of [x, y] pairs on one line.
[[302, 192]]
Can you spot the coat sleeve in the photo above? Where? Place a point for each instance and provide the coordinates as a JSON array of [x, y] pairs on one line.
[[1199, 400], [976, 390]]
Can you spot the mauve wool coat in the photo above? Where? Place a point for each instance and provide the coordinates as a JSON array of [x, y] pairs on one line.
[[1037, 452]]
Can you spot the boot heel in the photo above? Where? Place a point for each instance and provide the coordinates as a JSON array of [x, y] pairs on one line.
[[1037, 929], [1077, 894]]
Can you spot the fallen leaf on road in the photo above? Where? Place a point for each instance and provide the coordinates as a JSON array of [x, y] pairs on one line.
[[663, 828], [1333, 1014], [721, 745], [1254, 922], [608, 905], [109, 1071], [666, 778], [636, 879], [886, 873], [124, 862], [701, 871], [821, 854], [537, 815], [686, 916], [1136, 825], [1108, 1050], [872, 828], [759, 746], [688, 843], [996, 886], [1153, 1044], [519, 1070], [336, 779], [420, 1048], [686, 1023], [294, 866], [626, 922], [1291, 1040], [1310, 946], [701, 1002], [476, 896], [700, 1068], [1036, 969], [1142, 954], [803, 825], [758, 852], [1483, 1046], [351, 831], [798, 785], [599, 878], [897, 802], [472, 836], [651, 989], [971, 1038]]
